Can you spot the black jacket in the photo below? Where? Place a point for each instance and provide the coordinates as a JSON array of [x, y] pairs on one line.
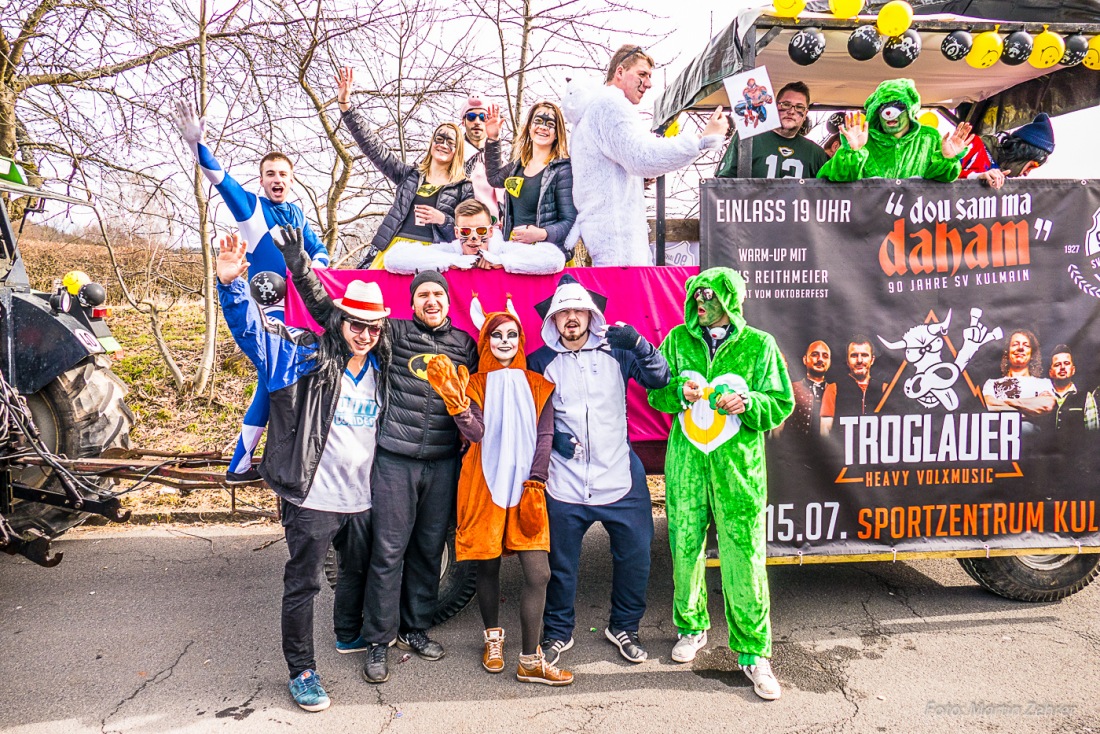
[[556, 212], [413, 420], [407, 179]]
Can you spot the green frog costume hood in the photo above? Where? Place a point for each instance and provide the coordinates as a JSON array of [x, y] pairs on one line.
[[916, 154], [715, 463]]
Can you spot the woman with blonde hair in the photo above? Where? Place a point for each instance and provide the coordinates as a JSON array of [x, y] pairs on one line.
[[426, 194], [538, 181]]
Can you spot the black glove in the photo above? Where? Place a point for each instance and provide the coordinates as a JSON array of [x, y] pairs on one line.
[[293, 250], [564, 444], [623, 337]]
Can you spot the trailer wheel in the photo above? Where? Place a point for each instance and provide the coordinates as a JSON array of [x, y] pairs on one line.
[[456, 581], [1035, 577], [80, 413]]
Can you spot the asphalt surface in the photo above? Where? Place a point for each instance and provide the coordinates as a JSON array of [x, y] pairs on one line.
[[177, 630]]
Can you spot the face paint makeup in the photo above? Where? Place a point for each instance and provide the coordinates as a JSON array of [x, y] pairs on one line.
[[710, 311], [504, 342], [894, 118]]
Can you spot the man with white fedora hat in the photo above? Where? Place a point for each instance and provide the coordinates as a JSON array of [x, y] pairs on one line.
[[326, 396]]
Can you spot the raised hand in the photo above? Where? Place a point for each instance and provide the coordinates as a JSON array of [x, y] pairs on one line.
[[449, 383], [623, 336], [854, 129], [292, 248], [232, 262], [345, 77], [494, 123], [718, 124], [192, 128], [957, 140]]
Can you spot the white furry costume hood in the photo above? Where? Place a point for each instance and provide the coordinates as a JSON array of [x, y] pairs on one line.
[[612, 153]]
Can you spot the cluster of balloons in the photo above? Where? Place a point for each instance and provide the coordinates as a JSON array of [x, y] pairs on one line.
[[900, 45]]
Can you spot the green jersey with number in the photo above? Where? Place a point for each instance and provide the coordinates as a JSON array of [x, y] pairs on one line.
[[774, 156]]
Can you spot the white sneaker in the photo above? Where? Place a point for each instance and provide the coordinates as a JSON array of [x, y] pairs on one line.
[[687, 646], [763, 680]]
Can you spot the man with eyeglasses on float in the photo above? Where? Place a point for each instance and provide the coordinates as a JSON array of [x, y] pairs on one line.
[[472, 116], [478, 245], [785, 152]]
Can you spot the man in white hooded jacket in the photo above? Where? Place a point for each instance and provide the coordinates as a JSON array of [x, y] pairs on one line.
[[613, 153]]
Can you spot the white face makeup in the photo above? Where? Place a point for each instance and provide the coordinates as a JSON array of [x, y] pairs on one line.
[[504, 342]]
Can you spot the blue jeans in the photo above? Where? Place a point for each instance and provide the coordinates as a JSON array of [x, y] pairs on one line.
[[629, 523]]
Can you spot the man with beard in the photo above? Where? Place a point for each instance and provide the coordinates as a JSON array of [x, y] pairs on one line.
[[472, 117], [1021, 386], [850, 396], [594, 474], [1074, 407], [812, 391], [785, 152]]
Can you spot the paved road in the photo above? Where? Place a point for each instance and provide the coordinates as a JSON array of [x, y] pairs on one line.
[[176, 630]]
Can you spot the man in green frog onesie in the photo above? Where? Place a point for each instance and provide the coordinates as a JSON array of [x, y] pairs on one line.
[[896, 145], [729, 386]]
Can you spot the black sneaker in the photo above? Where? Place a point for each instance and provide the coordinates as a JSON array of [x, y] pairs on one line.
[[552, 649], [244, 477], [628, 644], [418, 642], [376, 670]]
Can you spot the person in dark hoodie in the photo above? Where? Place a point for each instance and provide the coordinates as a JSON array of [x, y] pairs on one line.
[[993, 158], [326, 392], [889, 142], [415, 473]]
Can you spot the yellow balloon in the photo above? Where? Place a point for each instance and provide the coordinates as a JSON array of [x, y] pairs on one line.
[[789, 8], [1047, 51], [986, 50], [894, 18], [845, 8], [930, 119], [74, 280], [1092, 56]]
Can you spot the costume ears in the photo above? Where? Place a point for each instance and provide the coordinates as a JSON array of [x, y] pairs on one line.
[[477, 313]]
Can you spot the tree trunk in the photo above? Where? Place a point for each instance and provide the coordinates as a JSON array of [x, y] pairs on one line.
[[210, 307]]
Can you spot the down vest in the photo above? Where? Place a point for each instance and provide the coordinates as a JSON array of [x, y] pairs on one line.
[[556, 213], [407, 179], [414, 421]]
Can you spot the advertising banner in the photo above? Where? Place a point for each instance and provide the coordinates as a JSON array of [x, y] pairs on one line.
[[944, 345]]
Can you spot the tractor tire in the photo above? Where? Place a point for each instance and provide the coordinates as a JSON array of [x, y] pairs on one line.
[[79, 414], [1034, 578], [456, 581]]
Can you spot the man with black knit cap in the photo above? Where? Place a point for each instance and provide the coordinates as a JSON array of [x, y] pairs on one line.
[[414, 478]]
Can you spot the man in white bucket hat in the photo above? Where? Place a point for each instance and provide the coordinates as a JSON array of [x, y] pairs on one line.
[[326, 393]]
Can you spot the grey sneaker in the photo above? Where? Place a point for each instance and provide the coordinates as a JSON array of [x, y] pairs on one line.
[[628, 643], [419, 642], [687, 646], [376, 670], [763, 680], [552, 649]]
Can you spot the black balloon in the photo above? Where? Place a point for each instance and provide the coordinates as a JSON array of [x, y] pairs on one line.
[[902, 50], [864, 43], [1076, 48], [1017, 49], [957, 45], [806, 46]]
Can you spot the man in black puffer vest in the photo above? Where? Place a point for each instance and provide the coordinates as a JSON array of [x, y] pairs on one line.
[[415, 474]]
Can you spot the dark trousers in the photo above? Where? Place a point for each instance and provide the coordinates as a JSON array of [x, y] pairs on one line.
[[416, 498], [309, 533], [629, 523]]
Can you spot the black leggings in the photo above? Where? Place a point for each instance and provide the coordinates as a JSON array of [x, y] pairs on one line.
[[532, 600]]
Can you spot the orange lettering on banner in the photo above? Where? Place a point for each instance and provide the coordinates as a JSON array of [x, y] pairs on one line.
[[891, 254], [1060, 517], [1010, 244], [971, 520], [1002, 244]]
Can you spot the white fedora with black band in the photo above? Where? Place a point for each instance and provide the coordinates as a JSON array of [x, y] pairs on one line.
[[363, 301]]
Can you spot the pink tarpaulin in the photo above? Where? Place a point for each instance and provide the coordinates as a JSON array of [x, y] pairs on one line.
[[651, 299]]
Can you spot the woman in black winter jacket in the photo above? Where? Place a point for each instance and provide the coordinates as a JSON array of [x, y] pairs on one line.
[[426, 195], [538, 181]]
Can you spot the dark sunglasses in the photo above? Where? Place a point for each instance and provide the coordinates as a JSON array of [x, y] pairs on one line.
[[471, 116], [703, 294], [358, 327], [544, 121], [467, 232], [445, 140]]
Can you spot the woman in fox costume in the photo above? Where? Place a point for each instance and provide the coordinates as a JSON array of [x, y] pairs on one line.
[[506, 413]]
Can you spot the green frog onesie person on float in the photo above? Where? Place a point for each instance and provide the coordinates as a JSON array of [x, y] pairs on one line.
[[729, 387]]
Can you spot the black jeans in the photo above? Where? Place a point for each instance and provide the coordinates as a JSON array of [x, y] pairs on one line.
[[416, 500], [309, 533]]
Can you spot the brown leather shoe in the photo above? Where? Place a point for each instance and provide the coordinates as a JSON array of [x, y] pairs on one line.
[[535, 669], [493, 659]]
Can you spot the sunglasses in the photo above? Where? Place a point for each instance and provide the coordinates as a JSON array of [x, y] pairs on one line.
[[544, 121], [445, 141], [374, 328], [471, 116], [703, 294], [468, 232]]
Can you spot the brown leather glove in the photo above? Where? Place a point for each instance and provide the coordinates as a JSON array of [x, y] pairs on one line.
[[449, 383], [532, 508]]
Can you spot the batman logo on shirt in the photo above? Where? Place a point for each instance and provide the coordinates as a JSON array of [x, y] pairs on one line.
[[418, 365], [785, 151]]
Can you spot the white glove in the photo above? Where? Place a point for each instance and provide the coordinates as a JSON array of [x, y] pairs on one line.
[[491, 258], [192, 127], [465, 262]]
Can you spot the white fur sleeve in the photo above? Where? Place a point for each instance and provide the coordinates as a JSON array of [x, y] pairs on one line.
[[624, 139], [541, 258], [405, 258]]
